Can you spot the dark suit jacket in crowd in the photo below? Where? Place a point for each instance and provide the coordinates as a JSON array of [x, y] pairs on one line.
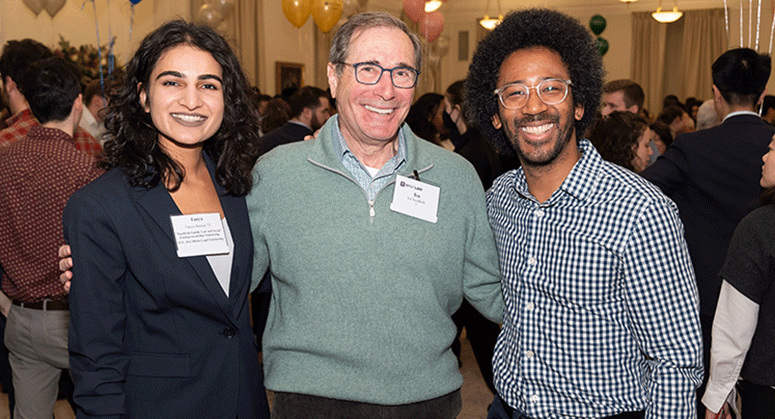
[[153, 335], [713, 176], [288, 133]]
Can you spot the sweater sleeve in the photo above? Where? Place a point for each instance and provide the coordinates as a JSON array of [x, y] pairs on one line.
[[481, 272]]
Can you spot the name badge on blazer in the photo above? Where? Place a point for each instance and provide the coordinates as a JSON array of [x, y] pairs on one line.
[[416, 199], [199, 235]]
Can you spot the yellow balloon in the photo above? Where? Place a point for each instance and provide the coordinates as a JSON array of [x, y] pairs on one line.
[[297, 11], [326, 13]]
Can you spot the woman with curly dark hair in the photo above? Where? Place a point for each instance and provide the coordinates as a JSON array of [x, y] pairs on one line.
[[161, 244], [623, 138]]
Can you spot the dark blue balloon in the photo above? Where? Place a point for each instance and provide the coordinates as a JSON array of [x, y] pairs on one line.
[[135, 1]]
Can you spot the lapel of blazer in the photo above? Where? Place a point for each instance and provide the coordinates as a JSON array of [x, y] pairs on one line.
[[236, 211], [159, 205]]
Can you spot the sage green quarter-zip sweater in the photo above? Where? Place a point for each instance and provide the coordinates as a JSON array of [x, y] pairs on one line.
[[362, 295]]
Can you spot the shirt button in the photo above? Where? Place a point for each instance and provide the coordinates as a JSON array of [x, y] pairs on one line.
[[534, 398], [539, 213], [530, 306], [229, 333], [530, 354], [532, 261]]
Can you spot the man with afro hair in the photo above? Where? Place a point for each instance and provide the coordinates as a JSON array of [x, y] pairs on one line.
[[601, 315]]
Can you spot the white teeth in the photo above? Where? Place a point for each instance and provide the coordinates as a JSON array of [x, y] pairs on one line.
[[188, 118], [537, 130], [378, 110]]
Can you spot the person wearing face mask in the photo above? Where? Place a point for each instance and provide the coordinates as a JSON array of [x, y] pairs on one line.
[[468, 141]]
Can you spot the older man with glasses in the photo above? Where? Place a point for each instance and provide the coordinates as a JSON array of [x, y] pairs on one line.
[[372, 237]]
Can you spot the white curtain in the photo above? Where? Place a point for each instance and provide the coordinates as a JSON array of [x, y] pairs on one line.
[[704, 40], [685, 67], [648, 58]]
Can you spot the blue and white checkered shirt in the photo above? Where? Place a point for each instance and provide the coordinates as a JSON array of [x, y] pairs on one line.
[[601, 302]]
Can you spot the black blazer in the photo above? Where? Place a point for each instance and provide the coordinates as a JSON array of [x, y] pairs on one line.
[[153, 335], [713, 176], [288, 133]]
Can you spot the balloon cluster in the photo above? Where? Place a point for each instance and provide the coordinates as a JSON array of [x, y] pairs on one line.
[[325, 13], [52, 7], [213, 12], [431, 24], [597, 24]]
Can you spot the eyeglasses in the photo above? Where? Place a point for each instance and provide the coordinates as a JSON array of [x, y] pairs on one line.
[[368, 73], [550, 91]]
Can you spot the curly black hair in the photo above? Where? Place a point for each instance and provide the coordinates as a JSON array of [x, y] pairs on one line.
[[132, 139], [534, 28], [616, 135]]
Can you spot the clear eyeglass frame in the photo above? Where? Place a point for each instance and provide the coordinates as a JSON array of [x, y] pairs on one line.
[[365, 72], [551, 91]]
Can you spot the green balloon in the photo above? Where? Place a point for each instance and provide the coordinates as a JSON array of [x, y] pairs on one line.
[[602, 46], [597, 24]]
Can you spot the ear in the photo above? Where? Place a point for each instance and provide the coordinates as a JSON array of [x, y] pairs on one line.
[[78, 102], [579, 112], [633, 109], [9, 84], [143, 97], [333, 78], [306, 114], [496, 121], [717, 93], [77, 109]]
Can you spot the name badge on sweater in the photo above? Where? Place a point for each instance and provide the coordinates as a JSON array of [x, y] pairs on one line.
[[415, 199], [199, 235]]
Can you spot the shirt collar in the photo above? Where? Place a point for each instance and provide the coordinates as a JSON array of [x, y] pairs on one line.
[[25, 114], [300, 123], [579, 183], [738, 113], [342, 149]]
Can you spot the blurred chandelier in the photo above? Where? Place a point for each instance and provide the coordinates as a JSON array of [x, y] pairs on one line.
[[490, 23], [666, 17], [432, 5]]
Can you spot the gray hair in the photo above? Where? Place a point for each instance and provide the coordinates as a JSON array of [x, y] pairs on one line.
[[340, 47], [707, 117]]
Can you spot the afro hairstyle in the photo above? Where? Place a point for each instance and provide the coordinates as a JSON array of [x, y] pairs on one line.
[[527, 29]]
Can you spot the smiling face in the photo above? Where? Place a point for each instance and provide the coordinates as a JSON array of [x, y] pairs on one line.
[[184, 97], [641, 151], [372, 114], [768, 169], [540, 133]]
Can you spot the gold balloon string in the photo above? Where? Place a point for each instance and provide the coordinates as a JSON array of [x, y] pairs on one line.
[[750, 21], [741, 24]]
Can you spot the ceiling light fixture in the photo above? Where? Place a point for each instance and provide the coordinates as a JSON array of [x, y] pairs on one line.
[[490, 23], [666, 17], [432, 5]]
